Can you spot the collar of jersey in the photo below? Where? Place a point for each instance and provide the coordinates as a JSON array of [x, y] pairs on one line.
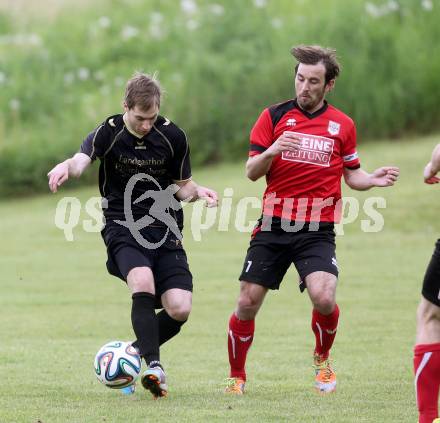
[[314, 114], [131, 130]]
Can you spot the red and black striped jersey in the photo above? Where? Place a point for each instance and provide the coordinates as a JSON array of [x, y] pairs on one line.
[[305, 184]]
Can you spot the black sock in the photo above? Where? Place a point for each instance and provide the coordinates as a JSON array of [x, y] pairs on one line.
[[145, 326], [168, 327]]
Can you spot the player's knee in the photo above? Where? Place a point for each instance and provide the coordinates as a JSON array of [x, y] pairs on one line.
[[180, 312], [325, 304], [248, 304], [140, 279], [427, 312]]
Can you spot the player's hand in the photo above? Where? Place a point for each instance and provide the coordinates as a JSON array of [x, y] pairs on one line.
[[429, 175], [209, 195], [385, 176], [58, 175], [288, 141]]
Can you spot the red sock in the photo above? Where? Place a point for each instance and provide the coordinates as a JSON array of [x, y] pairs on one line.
[[240, 337], [427, 380], [324, 328]]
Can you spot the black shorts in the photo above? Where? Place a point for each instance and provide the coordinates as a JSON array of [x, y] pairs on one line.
[[431, 283], [168, 262], [271, 253]]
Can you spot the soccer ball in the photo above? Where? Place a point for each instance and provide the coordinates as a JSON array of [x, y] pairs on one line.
[[117, 364]]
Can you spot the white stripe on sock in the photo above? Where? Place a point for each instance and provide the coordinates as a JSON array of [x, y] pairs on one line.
[[231, 335], [422, 365], [320, 332]]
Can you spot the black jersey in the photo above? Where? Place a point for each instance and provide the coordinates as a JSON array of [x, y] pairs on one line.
[[162, 154]]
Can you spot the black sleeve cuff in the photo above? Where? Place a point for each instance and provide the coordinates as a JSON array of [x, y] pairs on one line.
[[353, 167], [256, 147]]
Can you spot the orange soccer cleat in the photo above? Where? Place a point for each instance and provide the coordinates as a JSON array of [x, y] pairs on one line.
[[154, 381], [235, 385], [325, 379]]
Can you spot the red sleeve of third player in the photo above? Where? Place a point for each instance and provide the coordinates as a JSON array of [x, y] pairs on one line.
[[261, 134], [349, 153]]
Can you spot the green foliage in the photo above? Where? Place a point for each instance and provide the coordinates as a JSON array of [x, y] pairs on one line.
[[220, 65]]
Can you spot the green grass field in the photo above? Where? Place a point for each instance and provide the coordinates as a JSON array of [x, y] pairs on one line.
[[58, 306]]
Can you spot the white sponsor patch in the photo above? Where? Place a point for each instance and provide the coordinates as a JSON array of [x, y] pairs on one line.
[[291, 122], [350, 157], [333, 127], [314, 150]]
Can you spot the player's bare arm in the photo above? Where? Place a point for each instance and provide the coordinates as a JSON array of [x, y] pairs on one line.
[[259, 165], [433, 167], [360, 180], [190, 191], [73, 167]]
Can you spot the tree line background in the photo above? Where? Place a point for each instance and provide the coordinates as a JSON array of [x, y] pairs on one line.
[[220, 64]]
